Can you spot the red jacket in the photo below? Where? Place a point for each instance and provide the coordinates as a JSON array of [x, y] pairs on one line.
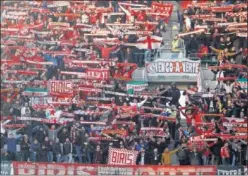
[[106, 51], [224, 152]]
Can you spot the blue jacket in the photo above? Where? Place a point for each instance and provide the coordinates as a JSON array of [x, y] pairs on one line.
[[49, 58], [11, 144], [35, 147]]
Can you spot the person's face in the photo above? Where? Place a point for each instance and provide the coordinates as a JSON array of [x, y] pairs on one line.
[[98, 148], [53, 127]]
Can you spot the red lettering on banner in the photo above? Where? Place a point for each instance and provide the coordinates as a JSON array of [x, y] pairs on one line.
[[98, 74], [26, 168], [122, 158], [60, 87], [114, 157], [129, 159]]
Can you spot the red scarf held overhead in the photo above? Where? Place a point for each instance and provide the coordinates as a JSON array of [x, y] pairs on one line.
[[13, 96], [224, 152]]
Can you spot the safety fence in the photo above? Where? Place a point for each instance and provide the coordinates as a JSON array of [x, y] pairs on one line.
[[29, 168]]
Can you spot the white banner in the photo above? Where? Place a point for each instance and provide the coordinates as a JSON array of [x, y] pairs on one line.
[[122, 156], [40, 100], [183, 70]]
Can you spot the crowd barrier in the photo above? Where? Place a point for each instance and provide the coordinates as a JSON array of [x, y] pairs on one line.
[[29, 168]]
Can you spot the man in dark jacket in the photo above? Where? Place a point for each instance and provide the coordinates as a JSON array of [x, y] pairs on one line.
[[67, 151], [143, 157], [192, 46], [63, 135], [174, 92], [98, 155], [43, 154], [215, 148], [35, 149], [87, 152], [195, 157], [40, 135], [49, 149], [183, 155], [25, 145], [57, 150], [155, 157]]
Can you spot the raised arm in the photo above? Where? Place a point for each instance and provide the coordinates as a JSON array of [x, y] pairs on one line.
[[243, 142], [114, 47], [142, 102], [124, 10], [232, 54], [45, 126], [59, 129], [98, 46], [174, 151], [215, 50]]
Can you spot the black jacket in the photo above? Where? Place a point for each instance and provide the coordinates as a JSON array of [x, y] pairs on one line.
[[40, 136], [215, 149], [146, 158], [48, 146], [175, 94], [67, 148], [62, 136], [43, 155], [56, 148], [155, 159], [25, 146]]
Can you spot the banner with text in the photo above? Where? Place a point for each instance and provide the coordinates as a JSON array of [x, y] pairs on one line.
[[122, 156], [27, 168], [40, 101], [60, 88], [230, 170], [5, 168], [169, 70]]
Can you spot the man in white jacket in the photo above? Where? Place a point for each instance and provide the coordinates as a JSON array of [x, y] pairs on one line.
[[138, 105], [228, 87]]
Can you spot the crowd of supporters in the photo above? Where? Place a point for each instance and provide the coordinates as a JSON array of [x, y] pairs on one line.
[[40, 40]]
